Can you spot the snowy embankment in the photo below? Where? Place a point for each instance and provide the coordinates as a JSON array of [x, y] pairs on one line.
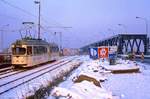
[[32, 86], [84, 83]]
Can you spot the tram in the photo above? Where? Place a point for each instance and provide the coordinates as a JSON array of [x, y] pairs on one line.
[[29, 52]]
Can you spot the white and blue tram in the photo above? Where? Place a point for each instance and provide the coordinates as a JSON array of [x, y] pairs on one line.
[[30, 52]]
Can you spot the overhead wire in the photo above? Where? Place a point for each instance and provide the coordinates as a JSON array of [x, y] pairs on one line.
[[24, 11], [18, 8]]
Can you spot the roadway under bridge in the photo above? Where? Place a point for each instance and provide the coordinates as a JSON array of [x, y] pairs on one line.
[[126, 43]]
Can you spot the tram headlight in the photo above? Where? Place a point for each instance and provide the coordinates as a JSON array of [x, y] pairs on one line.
[[24, 46]]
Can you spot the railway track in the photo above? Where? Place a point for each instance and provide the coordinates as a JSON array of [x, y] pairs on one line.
[[7, 72], [5, 69], [12, 83], [10, 73], [2, 73]]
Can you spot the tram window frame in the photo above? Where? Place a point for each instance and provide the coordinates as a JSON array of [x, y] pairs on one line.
[[39, 50], [44, 49], [56, 49], [35, 48]]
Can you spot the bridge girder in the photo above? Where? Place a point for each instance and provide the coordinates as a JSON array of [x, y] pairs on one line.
[[124, 41]]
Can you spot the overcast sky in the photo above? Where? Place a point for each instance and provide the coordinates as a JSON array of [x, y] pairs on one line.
[[89, 19]]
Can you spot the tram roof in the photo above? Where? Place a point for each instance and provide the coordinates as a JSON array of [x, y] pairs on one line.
[[31, 41]]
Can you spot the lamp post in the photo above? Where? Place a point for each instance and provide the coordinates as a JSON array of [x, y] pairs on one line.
[[39, 17], [124, 26], [60, 34], [60, 40], [2, 31], [146, 23]]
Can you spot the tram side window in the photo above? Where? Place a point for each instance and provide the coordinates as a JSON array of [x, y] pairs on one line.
[[29, 50], [54, 49], [57, 49], [43, 49], [40, 49], [35, 50]]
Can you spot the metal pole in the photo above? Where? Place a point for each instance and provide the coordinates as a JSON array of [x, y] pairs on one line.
[[2, 35], [146, 30], [60, 41], [39, 20], [146, 24], [39, 17], [1, 40]]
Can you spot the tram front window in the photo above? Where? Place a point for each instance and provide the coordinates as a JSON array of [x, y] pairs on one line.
[[18, 51]]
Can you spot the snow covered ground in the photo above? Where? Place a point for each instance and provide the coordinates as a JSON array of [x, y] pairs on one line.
[[130, 86], [91, 81], [117, 86], [85, 88]]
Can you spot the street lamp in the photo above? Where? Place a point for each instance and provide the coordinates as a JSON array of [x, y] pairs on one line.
[[125, 28], [60, 41], [39, 17], [60, 34], [146, 23], [2, 31]]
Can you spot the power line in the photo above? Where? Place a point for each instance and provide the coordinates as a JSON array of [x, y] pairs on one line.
[[22, 10], [10, 17], [18, 8]]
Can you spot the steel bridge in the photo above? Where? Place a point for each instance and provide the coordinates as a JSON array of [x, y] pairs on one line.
[[125, 42]]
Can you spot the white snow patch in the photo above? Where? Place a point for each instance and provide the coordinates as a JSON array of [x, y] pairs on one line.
[[82, 91]]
